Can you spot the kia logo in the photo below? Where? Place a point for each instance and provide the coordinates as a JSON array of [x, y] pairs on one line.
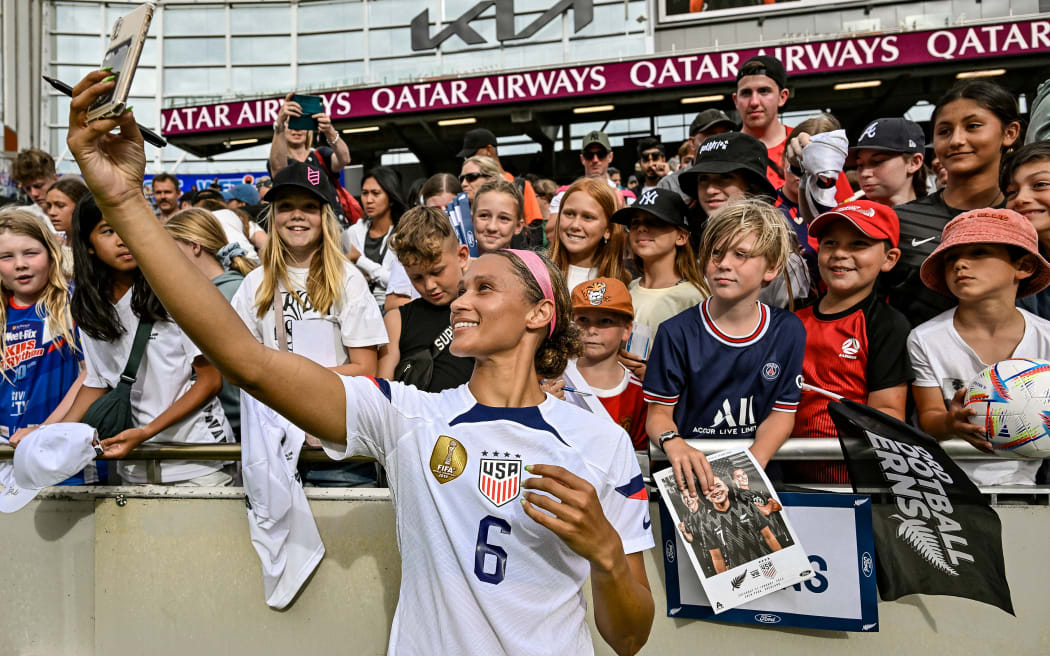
[[767, 618]]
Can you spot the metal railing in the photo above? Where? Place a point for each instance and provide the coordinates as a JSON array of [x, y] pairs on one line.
[[795, 449]]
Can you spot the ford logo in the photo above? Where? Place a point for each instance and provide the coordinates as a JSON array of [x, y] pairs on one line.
[[767, 618], [867, 565], [669, 551]]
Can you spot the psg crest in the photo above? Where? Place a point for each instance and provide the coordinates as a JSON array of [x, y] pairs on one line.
[[499, 480]]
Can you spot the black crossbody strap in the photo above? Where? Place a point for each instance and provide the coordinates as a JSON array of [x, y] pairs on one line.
[[138, 347]]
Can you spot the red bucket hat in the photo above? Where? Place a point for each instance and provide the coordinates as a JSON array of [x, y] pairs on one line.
[[987, 226]]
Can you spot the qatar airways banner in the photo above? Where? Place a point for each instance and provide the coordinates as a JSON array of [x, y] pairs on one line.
[[577, 82]]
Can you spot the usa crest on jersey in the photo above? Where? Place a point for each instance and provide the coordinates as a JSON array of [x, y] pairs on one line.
[[499, 480]]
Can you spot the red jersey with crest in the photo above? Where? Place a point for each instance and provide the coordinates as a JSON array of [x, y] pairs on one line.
[[627, 407], [852, 353]]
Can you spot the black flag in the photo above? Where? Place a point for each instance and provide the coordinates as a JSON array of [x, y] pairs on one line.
[[935, 534]]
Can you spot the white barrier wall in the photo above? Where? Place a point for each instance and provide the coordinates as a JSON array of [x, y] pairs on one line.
[[174, 575]]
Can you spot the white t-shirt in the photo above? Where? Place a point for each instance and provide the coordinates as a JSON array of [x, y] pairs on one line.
[[234, 229], [654, 306], [579, 274], [165, 374], [475, 570], [399, 282], [941, 358], [354, 320], [379, 272]]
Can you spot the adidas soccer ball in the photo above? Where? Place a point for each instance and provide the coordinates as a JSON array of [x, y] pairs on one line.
[[1012, 400]]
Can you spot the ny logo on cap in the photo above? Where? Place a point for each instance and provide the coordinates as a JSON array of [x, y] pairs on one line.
[[313, 176], [648, 197], [869, 133]]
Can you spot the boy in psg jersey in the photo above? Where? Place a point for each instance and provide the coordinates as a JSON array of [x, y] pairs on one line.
[[856, 344], [731, 366]]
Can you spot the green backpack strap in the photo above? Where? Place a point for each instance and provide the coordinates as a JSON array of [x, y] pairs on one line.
[[138, 347]]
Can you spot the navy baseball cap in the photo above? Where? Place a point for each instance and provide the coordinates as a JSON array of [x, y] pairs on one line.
[[771, 67], [897, 135]]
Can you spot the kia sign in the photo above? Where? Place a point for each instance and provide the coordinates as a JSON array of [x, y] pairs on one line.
[[583, 14], [865, 54]]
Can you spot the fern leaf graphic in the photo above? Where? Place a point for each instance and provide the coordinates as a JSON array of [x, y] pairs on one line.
[[919, 536], [738, 580]]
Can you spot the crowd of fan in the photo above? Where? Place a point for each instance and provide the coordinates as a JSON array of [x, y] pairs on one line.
[[706, 290]]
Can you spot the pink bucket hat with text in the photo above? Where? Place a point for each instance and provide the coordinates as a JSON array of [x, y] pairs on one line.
[[987, 226]]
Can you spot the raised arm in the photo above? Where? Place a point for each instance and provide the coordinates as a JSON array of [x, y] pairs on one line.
[[279, 147], [113, 166]]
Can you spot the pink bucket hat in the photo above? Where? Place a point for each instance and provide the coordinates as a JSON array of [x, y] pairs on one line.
[[987, 226]]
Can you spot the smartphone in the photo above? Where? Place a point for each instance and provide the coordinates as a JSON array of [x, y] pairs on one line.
[[311, 105], [122, 56]]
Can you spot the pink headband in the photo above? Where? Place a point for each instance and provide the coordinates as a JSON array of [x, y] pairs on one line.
[[539, 271]]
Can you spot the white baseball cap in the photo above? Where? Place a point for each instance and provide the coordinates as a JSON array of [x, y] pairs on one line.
[[45, 457], [12, 497]]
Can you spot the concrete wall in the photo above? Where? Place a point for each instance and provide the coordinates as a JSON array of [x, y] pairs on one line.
[[168, 575]]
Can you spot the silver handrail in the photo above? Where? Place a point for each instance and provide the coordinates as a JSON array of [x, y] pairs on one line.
[[809, 448]]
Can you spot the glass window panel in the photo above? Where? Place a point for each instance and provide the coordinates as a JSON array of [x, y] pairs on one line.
[[78, 18], [399, 12], [339, 15], [60, 112], [256, 19], [330, 75], [193, 21], [390, 42], [467, 62], [326, 47], [191, 81], [145, 82], [532, 55], [149, 53], [115, 11], [71, 74], [261, 49], [76, 49], [257, 79], [185, 52], [394, 70]]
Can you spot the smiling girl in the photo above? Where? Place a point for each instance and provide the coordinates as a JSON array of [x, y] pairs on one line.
[[42, 367], [587, 244], [974, 124], [512, 565], [306, 280], [1025, 181]]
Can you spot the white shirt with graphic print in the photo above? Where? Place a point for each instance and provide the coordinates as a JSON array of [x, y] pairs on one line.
[[354, 319]]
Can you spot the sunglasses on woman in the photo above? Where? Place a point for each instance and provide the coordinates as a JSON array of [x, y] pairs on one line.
[[472, 177]]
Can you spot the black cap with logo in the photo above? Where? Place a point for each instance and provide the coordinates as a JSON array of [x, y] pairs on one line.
[[300, 175], [726, 153], [662, 204], [475, 140], [708, 119], [898, 135]]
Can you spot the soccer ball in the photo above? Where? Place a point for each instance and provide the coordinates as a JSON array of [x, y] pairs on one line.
[[1012, 400]]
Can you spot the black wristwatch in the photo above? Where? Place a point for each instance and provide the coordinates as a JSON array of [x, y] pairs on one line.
[[666, 435]]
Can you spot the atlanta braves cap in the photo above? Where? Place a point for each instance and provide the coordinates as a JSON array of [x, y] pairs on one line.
[[875, 220], [898, 135], [662, 204], [300, 175], [603, 294]]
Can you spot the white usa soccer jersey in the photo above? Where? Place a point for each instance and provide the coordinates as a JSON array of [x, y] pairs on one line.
[[478, 575]]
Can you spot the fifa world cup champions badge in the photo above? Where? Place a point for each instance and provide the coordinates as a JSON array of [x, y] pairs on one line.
[[448, 459]]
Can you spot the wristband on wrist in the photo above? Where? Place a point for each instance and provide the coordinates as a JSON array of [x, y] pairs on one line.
[[666, 435]]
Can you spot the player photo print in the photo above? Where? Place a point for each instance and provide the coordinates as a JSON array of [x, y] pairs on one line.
[[738, 538]]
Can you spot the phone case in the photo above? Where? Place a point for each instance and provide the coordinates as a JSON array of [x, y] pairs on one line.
[[311, 105], [122, 53]]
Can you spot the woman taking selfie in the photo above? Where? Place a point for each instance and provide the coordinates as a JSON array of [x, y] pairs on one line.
[[512, 565]]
